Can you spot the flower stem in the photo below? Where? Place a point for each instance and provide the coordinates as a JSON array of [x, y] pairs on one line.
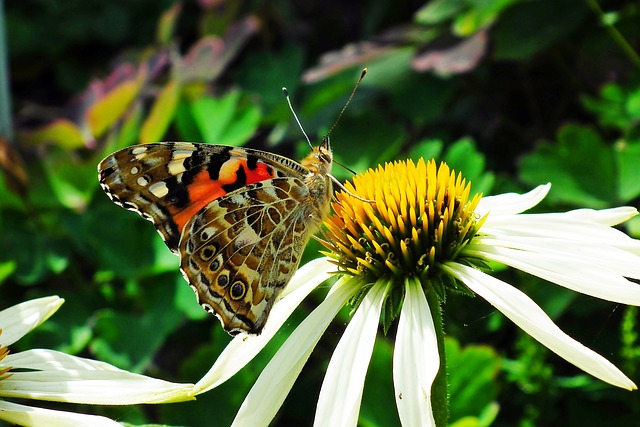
[[439, 394], [6, 130], [615, 34]]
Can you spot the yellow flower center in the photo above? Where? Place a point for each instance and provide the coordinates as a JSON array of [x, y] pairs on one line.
[[419, 215]]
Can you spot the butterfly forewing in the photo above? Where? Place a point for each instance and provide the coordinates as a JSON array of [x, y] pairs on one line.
[[168, 183]]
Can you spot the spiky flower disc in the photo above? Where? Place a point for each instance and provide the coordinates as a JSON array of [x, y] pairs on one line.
[[416, 217]]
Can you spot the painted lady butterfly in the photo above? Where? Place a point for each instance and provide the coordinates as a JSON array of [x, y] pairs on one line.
[[238, 218]]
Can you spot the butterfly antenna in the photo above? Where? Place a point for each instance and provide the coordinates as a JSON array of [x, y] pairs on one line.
[[286, 95], [345, 167], [353, 92]]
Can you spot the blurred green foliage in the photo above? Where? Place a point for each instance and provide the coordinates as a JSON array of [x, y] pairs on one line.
[[510, 93]]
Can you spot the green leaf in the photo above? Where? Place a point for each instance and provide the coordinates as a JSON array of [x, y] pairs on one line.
[[481, 14], [533, 26], [110, 108], [265, 73], [379, 373], [185, 123], [438, 11], [124, 247], [360, 144], [609, 107], [71, 179], [422, 98], [472, 373], [427, 149], [464, 158], [8, 194], [579, 166], [185, 301], [61, 132], [213, 115], [6, 269], [627, 156], [124, 339], [224, 121], [30, 257], [244, 125], [161, 115], [167, 24], [128, 132], [632, 106]]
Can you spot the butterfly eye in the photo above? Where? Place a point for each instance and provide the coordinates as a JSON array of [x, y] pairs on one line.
[[237, 290], [207, 252], [215, 265], [223, 280], [325, 157]]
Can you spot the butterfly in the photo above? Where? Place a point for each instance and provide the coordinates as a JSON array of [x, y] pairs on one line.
[[238, 218]]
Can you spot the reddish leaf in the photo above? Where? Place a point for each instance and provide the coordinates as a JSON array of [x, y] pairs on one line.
[[363, 53], [99, 88], [458, 59], [202, 62], [352, 54], [210, 4], [209, 57], [13, 167]]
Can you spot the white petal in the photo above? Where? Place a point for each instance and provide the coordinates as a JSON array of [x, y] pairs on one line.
[[52, 375], [341, 392], [277, 378], [609, 217], [612, 258], [559, 226], [512, 203], [587, 276], [30, 416], [18, 320], [415, 359], [532, 319], [243, 348]]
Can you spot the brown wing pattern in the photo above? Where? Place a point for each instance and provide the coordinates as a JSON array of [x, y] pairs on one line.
[[243, 248]]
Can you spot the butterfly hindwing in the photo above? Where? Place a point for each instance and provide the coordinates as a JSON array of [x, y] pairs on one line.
[[240, 252]]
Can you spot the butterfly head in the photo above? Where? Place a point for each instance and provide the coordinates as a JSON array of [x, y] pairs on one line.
[[320, 160], [324, 151]]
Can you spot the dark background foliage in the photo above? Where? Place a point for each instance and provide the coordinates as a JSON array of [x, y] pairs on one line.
[[511, 93]]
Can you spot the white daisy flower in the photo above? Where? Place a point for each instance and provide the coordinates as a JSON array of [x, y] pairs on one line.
[[422, 238], [54, 376]]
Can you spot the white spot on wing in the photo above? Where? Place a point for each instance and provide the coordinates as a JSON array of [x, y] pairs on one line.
[[176, 166], [182, 154], [245, 238], [159, 189], [138, 150], [142, 181], [207, 233], [134, 170]]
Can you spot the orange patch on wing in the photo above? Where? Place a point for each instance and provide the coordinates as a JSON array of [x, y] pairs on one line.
[[260, 173], [203, 190]]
